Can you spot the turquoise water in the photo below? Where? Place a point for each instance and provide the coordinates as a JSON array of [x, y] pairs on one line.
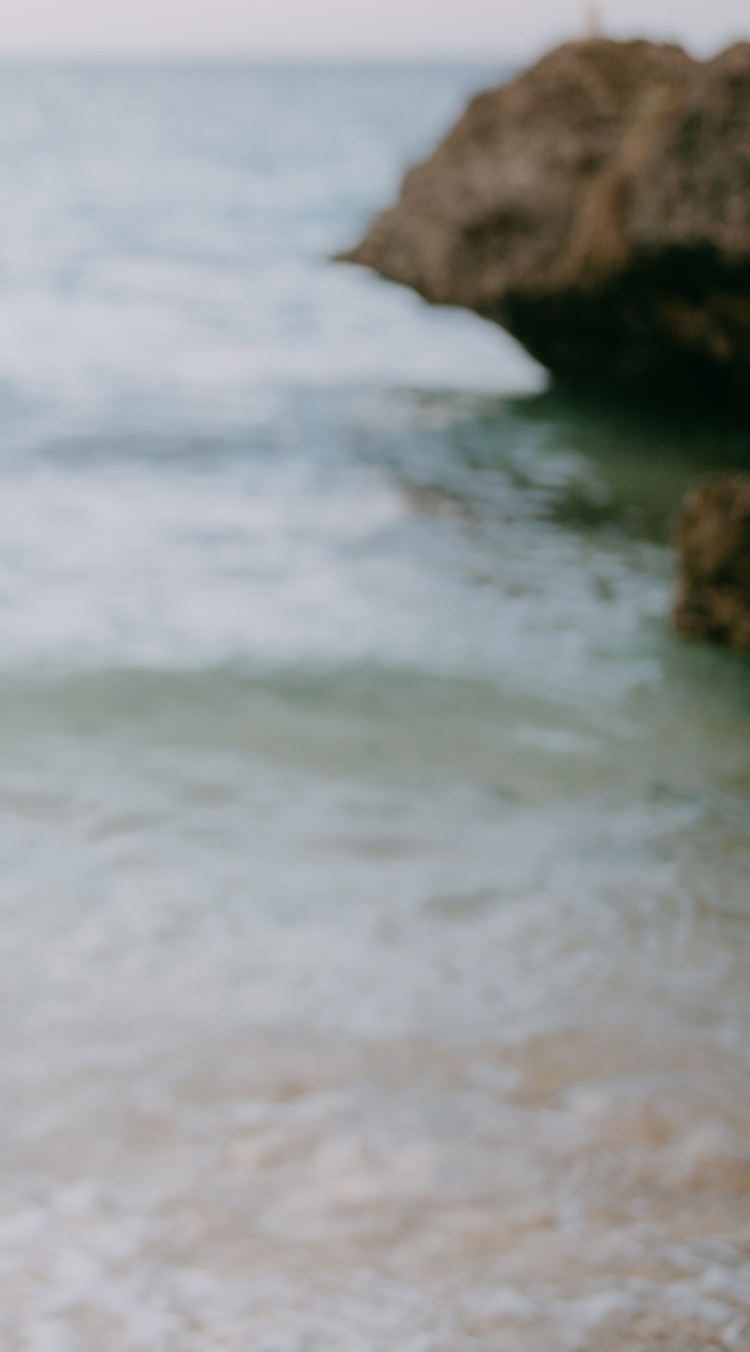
[[373, 920]]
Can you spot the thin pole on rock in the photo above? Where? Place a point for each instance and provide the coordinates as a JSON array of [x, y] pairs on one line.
[[593, 22]]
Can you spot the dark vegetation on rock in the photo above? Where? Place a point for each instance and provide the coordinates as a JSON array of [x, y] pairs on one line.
[[713, 542], [597, 207]]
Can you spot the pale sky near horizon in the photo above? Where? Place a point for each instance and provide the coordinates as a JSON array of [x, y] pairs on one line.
[[490, 29]]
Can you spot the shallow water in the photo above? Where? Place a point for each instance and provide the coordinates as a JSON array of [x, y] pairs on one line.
[[374, 925]]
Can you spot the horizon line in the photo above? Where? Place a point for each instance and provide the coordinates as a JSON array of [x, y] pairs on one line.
[[510, 57], [235, 58]]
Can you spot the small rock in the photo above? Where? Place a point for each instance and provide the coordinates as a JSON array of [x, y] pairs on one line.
[[713, 541]]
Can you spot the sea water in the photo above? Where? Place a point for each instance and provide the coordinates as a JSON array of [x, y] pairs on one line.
[[374, 863]]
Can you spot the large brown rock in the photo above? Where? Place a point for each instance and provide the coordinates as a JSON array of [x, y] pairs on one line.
[[713, 540], [598, 207]]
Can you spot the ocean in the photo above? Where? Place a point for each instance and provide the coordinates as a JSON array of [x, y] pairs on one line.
[[374, 861]]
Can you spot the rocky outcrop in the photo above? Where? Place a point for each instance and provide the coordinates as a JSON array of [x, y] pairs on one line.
[[598, 207], [713, 541]]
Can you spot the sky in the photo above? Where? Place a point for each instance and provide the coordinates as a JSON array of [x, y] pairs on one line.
[[349, 28]]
